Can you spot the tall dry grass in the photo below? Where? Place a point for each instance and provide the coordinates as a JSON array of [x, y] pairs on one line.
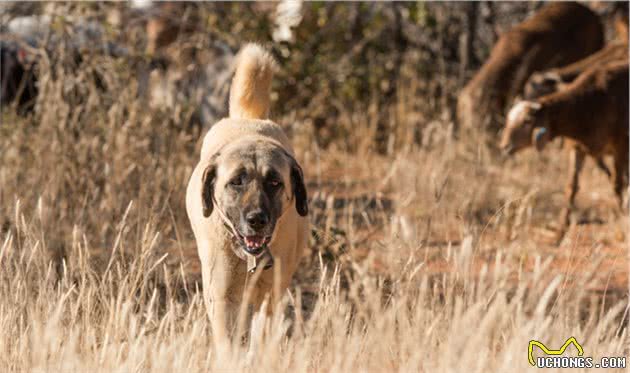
[[129, 317]]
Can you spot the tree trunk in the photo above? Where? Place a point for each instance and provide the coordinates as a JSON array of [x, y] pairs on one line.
[[467, 48]]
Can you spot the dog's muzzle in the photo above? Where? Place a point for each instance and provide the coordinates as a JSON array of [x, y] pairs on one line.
[[254, 251]]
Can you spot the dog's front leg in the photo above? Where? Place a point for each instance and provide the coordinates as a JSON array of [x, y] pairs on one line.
[[223, 315]]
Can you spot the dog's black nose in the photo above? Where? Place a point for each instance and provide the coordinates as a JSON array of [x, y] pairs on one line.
[[257, 219]]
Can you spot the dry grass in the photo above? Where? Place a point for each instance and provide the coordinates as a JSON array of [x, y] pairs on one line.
[[436, 257], [129, 318]]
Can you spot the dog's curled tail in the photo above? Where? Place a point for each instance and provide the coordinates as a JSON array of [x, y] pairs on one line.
[[251, 85]]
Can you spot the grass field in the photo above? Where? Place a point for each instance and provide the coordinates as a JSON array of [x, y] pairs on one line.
[[435, 256]]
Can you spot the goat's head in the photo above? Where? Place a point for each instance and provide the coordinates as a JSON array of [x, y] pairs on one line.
[[524, 128], [541, 84]]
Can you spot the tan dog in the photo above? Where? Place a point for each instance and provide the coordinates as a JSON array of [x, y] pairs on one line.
[[246, 200]]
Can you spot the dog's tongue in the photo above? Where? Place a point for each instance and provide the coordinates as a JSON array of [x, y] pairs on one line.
[[254, 241]]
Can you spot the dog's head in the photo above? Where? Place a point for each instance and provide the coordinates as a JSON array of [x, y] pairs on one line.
[[253, 183]]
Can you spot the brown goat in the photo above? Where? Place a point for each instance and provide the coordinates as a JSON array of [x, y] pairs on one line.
[[592, 111], [560, 33], [544, 83], [548, 82]]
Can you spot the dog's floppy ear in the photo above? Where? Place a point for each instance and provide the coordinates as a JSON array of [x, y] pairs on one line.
[[297, 184], [207, 189], [299, 189]]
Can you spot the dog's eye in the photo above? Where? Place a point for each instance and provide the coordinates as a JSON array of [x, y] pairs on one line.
[[274, 183], [237, 181]]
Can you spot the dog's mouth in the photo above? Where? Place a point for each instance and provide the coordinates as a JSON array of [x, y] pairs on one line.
[[254, 245]]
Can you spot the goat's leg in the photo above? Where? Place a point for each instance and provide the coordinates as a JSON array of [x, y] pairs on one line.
[[576, 163], [621, 165]]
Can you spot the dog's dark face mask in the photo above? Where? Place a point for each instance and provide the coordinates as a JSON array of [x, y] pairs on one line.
[[254, 184]]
